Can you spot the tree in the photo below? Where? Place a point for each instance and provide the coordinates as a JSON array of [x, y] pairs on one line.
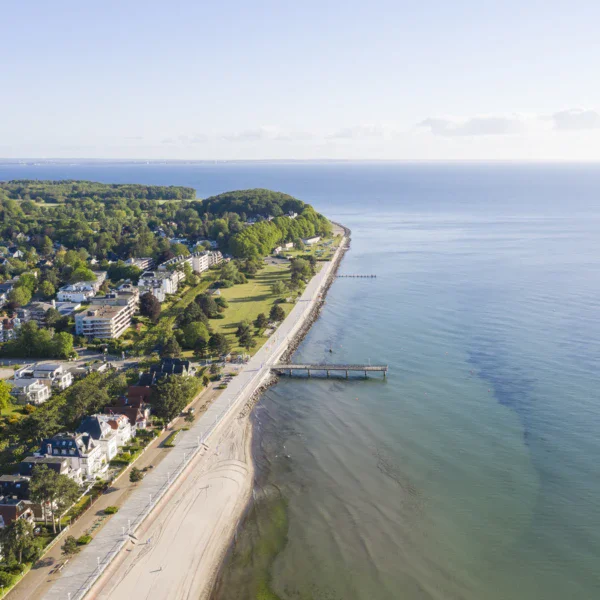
[[277, 313], [54, 491], [219, 345], [85, 397], [135, 475], [82, 274], [19, 296], [247, 340], [171, 395], [19, 540], [171, 349], [278, 288], [193, 333], [208, 305], [261, 321], [62, 345], [47, 289], [70, 547], [192, 313], [56, 321], [150, 306], [5, 397]]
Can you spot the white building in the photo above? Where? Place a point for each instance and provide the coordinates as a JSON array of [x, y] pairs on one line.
[[121, 425], [140, 263], [166, 280], [202, 261], [29, 390], [51, 374], [76, 292], [103, 321], [156, 290], [102, 433], [311, 241], [83, 452]]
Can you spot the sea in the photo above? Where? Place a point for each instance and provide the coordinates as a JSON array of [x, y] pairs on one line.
[[472, 471]]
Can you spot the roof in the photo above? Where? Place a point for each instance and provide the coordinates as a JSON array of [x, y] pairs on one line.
[[23, 383], [14, 478], [96, 428], [45, 459]]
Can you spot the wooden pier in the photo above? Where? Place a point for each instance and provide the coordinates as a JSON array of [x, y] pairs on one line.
[[358, 276], [291, 369]]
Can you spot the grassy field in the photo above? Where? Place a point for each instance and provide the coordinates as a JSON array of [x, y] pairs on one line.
[[248, 300], [323, 250]]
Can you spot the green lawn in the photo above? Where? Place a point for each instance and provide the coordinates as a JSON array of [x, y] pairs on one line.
[[248, 300], [323, 250]]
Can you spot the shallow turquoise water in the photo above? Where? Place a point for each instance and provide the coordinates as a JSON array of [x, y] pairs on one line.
[[472, 472]]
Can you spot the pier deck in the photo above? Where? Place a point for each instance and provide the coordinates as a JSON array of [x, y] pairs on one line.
[[290, 369]]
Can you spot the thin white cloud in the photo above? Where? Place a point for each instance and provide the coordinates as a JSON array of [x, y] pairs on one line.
[[267, 133], [475, 126], [361, 132], [576, 119]]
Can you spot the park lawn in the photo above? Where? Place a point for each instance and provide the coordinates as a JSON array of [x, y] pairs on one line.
[[247, 301]]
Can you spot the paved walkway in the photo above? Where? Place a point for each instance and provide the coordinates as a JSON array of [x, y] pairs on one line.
[[40, 578], [78, 577]]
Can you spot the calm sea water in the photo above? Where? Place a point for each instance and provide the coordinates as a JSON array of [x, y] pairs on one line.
[[473, 471]]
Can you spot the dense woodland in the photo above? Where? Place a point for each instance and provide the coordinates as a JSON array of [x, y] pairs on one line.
[[121, 221]]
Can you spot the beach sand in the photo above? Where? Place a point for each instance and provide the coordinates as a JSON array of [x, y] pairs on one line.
[[182, 544]]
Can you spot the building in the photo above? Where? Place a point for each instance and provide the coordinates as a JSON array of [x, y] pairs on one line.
[[278, 249], [82, 451], [9, 328], [202, 261], [171, 366], [103, 321], [167, 281], [102, 433], [311, 241], [12, 509], [140, 263], [129, 297], [83, 291], [122, 427], [157, 291], [288, 245], [51, 374], [29, 391], [76, 292], [15, 486], [5, 290], [34, 311], [135, 408], [59, 464]]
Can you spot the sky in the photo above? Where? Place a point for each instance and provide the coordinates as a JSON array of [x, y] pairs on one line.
[[262, 79]]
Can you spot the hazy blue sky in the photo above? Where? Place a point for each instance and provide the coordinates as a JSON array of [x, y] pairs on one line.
[[309, 79]]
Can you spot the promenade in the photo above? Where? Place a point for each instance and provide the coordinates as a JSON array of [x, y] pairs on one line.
[[186, 457]]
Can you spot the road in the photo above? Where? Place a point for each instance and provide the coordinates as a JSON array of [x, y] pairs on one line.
[[41, 577]]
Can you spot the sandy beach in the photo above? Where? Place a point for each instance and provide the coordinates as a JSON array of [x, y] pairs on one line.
[[181, 545]]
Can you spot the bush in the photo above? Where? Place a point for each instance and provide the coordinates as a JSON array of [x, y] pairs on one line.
[[70, 546], [135, 475], [6, 579], [84, 539], [125, 457], [111, 510]]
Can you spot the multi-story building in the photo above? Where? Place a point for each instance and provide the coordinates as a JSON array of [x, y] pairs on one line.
[[59, 464], [29, 390], [83, 291], [15, 486], [102, 433], [103, 321], [5, 290], [82, 451], [168, 281], [202, 261], [140, 263], [51, 374], [9, 328], [126, 297], [121, 426], [12, 509]]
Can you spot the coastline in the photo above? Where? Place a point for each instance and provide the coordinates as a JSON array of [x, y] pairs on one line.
[[190, 527], [293, 345]]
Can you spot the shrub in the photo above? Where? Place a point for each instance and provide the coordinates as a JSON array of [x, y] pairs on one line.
[[6, 579], [70, 546], [84, 539], [111, 510], [135, 475]]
